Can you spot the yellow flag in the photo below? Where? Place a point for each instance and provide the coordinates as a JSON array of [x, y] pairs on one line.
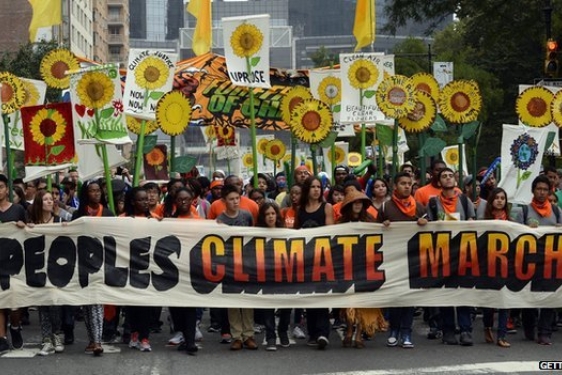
[[364, 27], [45, 13], [201, 9]]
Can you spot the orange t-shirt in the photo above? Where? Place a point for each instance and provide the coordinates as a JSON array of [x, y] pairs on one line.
[[218, 207], [159, 210], [424, 193]]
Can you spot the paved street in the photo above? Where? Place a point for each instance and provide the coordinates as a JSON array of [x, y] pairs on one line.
[[215, 358]]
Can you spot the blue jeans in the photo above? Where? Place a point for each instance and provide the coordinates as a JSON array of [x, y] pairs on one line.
[[463, 319], [401, 319], [488, 320]]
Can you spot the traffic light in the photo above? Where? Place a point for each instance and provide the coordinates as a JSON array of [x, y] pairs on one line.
[[551, 62]]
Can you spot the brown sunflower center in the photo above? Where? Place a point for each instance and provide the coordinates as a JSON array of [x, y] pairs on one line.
[[537, 107], [311, 120], [95, 91], [294, 103], [247, 41], [151, 74], [423, 87], [460, 102], [6, 93], [275, 150], [418, 112], [48, 127], [363, 74], [59, 69], [396, 96], [453, 157]]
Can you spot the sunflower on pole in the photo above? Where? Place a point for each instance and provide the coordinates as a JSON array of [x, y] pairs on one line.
[[150, 76], [247, 61]]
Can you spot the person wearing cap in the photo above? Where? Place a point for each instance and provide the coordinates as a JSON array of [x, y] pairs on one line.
[[401, 207], [340, 173], [300, 174], [218, 175], [216, 188]]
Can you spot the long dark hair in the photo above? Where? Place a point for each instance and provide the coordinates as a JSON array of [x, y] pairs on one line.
[[488, 212], [306, 190], [130, 195], [170, 197], [261, 215], [36, 211], [347, 214], [85, 200]]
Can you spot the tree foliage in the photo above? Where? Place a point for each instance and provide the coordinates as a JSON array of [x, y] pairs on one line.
[[323, 57]]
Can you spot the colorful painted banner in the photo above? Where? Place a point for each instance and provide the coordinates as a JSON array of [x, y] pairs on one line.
[[48, 135], [150, 75], [521, 154], [246, 48], [135, 261], [361, 74], [97, 105], [156, 164]]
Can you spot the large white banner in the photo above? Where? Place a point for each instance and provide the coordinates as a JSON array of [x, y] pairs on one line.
[[521, 154], [361, 74], [150, 75], [175, 262], [246, 49]]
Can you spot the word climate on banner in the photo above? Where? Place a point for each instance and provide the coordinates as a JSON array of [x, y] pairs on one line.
[[134, 261]]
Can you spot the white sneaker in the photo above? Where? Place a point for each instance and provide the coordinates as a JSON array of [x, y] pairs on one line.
[[57, 342], [145, 346], [178, 339], [198, 334], [47, 349], [134, 343], [298, 333]]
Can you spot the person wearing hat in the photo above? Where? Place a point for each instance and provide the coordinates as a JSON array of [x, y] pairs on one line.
[[340, 173], [354, 207], [401, 207], [216, 189]]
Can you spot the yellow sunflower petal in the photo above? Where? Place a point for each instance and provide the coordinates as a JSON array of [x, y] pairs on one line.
[[12, 92], [329, 90], [354, 159], [225, 132], [262, 145], [246, 40], [54, 66], [275, 150], [363, 74], [396, 96], [152, 73], [248, 160], [95, 89], [173, 113], [452, 156], [32, 95], [210, 132], [295, 96], [533, 106], [311, 121], [134, 125], [422, 116], [460, 101], [47, 126], [427, 83], [556, 109]]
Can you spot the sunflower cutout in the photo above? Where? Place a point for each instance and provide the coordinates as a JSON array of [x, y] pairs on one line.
[[248, 160], [452, 156], [210, 133], [95, 89], [155, 157], [47, 127], [12, 92], [354, 159], [426, 83], [422, 116], [329, 90], [460, 101], [311, 121], [246, 40], [556, 109], [396, 96], [339, 154], [173, 113], [134, 125], [363, 74], [533, 106], [262, 146], [225, 132], [275, 150], [54, 66], [295, 96], [152, 73], [32, 95]]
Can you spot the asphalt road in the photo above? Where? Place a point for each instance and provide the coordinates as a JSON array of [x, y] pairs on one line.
[[428, 356]]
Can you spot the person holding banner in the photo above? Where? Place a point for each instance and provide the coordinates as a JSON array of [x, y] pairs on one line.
[[539, 213], [401, 207], [92, 203], [314, 212], [497, 208], [15, 213], [450, 205]]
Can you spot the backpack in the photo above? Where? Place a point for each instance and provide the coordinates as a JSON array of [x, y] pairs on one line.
[[433, 206], [555, 209]]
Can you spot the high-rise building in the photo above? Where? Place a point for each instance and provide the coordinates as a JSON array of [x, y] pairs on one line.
[[155, 23], [118, 30]]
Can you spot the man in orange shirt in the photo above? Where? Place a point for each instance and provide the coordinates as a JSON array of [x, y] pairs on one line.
[[218, 206]]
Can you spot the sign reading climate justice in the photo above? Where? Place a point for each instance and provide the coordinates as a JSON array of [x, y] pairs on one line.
[[132, 261]]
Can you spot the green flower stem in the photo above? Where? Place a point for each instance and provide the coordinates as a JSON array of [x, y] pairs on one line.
[[253, 125], [459, 167], [333, 161], [140, 144], [49, 182], [363, 129], [173, 153], [293, 156], [10, 160], [394, 148], [380, 172], [314, 163], [108, 186]]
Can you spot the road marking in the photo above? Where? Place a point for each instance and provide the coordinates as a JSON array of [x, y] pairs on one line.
[[473, 368]]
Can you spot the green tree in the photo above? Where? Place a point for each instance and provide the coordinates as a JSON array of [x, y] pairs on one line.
[[323, 57]]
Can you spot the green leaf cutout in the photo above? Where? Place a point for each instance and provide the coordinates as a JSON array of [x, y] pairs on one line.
[[526, 175], [184, 164], [439, 124], [329, 141], [56, 150], [337, 109], [384, 134], [549, 140], [433, 146], [254, 61], [149, 143], [468, 130]]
